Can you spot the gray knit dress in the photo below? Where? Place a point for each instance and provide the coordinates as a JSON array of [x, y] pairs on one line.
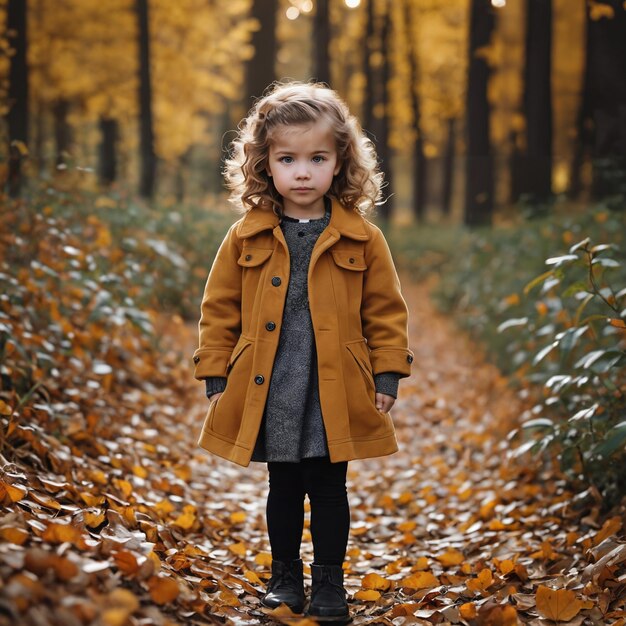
[[292, 427]]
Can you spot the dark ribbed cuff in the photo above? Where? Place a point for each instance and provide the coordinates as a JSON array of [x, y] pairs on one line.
[[214, 384], [387, 383]]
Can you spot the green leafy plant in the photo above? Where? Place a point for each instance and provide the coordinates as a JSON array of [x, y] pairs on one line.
[[572, 347]]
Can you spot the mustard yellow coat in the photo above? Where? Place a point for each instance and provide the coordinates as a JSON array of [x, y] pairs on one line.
[[359, 321]]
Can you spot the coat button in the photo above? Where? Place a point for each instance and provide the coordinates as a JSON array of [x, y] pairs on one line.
[[409, 358], [196, 359], [259, 380], [248, 257], [270, 326], [351, 259], [276, 281]]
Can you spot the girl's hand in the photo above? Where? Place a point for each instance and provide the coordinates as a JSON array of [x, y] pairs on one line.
[[215, 397], [384, 402]]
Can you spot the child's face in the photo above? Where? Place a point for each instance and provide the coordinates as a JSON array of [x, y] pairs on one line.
[[302, 162]]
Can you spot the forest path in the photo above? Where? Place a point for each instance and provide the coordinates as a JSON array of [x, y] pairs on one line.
[[449, 520]]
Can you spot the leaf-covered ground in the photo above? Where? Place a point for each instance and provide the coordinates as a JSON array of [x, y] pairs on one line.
[[114, 517]]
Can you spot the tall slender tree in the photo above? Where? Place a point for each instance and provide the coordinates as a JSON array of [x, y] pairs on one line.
[[536, 174], [419, 158], [602, 117], [146, 123], [17, 117], [260, 71], [321, 38], [449, 157], [479, 159]]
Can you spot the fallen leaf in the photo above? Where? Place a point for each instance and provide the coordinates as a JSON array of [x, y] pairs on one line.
[[560, 605]]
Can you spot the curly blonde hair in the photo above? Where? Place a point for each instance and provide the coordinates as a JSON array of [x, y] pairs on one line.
[[357, 185]]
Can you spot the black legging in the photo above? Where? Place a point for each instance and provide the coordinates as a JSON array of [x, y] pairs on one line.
[[325, 484]]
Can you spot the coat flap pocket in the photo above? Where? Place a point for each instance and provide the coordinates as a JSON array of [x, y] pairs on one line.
[[349, 260], [251, 257], [240, 346]]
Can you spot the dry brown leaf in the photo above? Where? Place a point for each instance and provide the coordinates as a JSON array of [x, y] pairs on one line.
[[163, 590], [560, 605]]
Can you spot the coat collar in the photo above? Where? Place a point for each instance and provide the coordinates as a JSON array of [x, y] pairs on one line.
[[344, 221]]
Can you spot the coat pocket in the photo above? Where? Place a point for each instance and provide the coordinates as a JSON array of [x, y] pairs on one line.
[[358, 350], [348, 260], [253, 257]]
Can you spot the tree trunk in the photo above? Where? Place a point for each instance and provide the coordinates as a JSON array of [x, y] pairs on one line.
[[536, 180], [383, 147], [479, 160], [108, 150], [419, 160], [17, 117], [582, 144], [321, 41], [146, 127], [369, 48], [62, 132], [607, 94], [260, 68], [448, 168]]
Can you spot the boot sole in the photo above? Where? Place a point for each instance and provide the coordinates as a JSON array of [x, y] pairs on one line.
[[299, 609]]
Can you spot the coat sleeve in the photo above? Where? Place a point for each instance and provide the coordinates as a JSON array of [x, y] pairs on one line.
[[384, 312], [220, 319]]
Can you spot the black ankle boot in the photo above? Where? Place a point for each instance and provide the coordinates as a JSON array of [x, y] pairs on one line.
[[328, 597], [286, 586]]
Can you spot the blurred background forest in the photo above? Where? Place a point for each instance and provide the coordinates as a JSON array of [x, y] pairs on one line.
[[500, 127], [475, 105]]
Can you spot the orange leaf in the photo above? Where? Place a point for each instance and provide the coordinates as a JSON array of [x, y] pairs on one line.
[[252, 577], [375, 581], [238, 548], [263, 559], [450, 558], [187, 518], [126, 562], [560, 605], [238, 517], [610, 527], [18, 536], [367, 595], [468, 611], [228, 598], [420, 580], [481, 582], [60, 533], [163, 590], [15, 494], [5, 409]]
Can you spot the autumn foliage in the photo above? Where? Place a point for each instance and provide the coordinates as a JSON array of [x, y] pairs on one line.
[[110, 515]]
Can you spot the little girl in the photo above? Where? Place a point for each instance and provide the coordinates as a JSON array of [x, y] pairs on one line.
[[303, 332]]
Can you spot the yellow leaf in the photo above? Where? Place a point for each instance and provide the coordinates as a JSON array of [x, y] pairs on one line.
[[450, 558], [252, 577], [407, 527], [5, 409], [187, 518], [598, 10], [90, 500], [560, 605], [506, 566], [238, 548], [263, 559], [367, 595], [238, 517], [375, 581], [468, 611], [420, 580], [140, 470], [93, 520], [165, 507]]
